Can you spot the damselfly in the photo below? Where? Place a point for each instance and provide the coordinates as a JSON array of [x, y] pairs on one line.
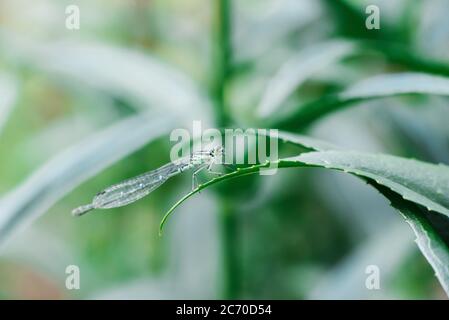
[[131, 190]]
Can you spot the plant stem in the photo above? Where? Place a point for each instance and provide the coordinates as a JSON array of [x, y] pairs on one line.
[[230, 257], [223, 53], [222, 66]]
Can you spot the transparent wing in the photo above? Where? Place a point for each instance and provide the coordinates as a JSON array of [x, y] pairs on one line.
[[124, 194], [133, 189]]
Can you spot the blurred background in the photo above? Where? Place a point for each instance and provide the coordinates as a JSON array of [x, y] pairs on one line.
[[83, 109]]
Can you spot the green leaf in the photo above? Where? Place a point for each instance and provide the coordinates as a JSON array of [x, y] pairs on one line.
[[420, 182], [376, 87], [431, 244], [414, 187], [144, 81], [307, 142], [8, 96], [406, 56], [298, 69], [76, 164]]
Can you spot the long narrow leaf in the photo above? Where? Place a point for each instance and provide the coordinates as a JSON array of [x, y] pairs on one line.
[[73, 166], [8, 95], [373, 88], [431, 244], [143, 80], [418, 186], [298, 69]]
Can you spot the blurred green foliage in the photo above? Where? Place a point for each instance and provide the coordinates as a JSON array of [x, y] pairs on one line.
[[290, 231]]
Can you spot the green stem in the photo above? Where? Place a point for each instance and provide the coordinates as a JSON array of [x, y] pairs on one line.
[[222, 66], [230, 257], [223, 53]]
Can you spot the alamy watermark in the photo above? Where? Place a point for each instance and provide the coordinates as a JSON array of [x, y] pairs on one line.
[[72, 281], [372, 281], [240, 146], [72, 20], [372, 21]]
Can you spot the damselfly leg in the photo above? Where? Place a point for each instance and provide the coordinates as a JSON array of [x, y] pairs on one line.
[[194, 176]]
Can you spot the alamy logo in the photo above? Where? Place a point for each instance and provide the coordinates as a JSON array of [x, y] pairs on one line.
[[372, 281], [249, 146], [72, 20], [373, 20], [72, 281]]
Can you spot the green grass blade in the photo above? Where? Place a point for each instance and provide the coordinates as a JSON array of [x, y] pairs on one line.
[[297, 69], [73, 166], [430, 243], [377, 87]]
